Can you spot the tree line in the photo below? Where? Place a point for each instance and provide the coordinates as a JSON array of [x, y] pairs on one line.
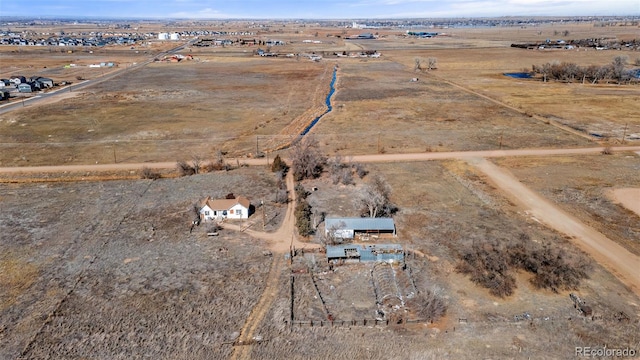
[[616, 71]]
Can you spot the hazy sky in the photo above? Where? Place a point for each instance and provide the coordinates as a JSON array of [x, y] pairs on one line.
[[324, 9]]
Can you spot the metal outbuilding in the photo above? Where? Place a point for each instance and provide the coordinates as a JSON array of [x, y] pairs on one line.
[[346, 228], [361, 253]]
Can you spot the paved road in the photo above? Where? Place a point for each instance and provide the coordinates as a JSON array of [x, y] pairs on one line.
[[43, 96]]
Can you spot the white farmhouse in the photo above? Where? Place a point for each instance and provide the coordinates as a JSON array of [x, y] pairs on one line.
[[217, 209]]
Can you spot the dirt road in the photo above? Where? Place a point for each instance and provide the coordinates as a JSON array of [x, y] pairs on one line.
[[359, 158], [620, 262], [285, 237], [281, 241], [244, 343]]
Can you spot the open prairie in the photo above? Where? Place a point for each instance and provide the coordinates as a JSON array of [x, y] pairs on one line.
[[228, 99], [114, 269]]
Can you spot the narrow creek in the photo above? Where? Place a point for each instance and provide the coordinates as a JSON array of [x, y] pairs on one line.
[[332, 89]]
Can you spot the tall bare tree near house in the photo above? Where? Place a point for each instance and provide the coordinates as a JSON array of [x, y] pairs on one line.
[[281, 188], [373, 199], [197, 161], [307, 161]]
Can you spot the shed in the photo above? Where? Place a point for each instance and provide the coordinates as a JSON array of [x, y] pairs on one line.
[[362, 252], [346, 228]]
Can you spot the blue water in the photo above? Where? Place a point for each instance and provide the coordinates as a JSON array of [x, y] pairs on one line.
[[518, 75], [327, 101]]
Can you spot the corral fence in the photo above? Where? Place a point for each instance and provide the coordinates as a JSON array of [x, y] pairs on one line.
[[350, 323]]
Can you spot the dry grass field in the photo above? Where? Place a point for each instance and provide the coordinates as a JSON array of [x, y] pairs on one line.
[[226, 97], [110, 269]]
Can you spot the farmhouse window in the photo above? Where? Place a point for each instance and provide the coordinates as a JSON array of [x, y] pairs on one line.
[[231, 211], [206, 213]]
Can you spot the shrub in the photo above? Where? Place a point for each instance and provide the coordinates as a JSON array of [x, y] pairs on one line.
[[279, 165], [428, 305], [303, 218], [147, 173], [487, 266], [555, 268], [301, 192], [184, 169]]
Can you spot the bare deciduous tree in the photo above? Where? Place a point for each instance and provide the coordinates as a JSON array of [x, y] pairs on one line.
[[433, 63], [417, 64], [374, 198], [307, 161], [196, 160]]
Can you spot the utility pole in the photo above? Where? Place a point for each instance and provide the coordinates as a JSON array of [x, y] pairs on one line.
[[378, 142], [624, 133], [257, 151], [115, 161], [500, 141], [264, 215]]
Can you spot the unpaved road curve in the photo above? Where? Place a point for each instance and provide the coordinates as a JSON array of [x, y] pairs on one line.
[[285, 237], [618, 260]]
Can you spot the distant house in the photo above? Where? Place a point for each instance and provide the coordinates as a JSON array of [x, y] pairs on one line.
[[26, 87], [15, 80], [272, 42], [41, 82], [366, 36], [212, 209], [46, 82], [348, 228]]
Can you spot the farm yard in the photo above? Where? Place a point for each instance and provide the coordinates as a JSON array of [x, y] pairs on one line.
[[97, 262]]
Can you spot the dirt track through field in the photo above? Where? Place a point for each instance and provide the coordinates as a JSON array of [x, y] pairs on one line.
[[620, 262], [243, 345]]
